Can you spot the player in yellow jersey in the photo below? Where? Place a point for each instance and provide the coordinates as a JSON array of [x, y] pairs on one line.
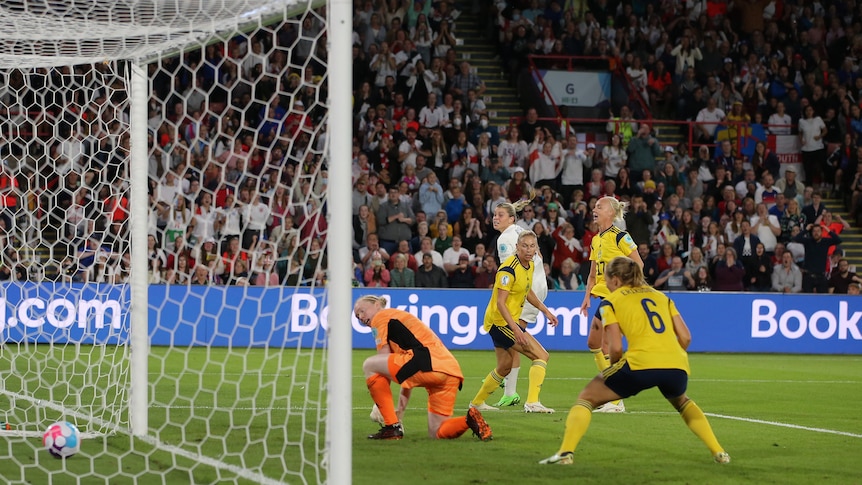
[[610, 242], [513, 286], [657, 339]]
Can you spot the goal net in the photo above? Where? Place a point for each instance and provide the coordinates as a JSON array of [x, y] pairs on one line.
[[166, 241]]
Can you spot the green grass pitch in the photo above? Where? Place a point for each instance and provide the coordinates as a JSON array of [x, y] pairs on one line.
[[783, 419]]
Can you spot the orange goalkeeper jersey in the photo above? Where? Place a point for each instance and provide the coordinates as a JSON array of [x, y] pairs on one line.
[[421, 349]]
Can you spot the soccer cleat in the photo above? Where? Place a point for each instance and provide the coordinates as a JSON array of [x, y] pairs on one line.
[[610, 407], [566, 458], [537, 407], [478, 425], [722, 458], [484, 407], [509, 400], [391, 432]]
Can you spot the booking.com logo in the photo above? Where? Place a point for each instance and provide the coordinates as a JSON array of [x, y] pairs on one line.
[[60, 313]]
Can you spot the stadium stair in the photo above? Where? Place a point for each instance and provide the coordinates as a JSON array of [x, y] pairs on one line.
[[852, 238], [480, 50]]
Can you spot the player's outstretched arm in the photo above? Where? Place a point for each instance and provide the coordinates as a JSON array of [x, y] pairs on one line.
[[591, 282]]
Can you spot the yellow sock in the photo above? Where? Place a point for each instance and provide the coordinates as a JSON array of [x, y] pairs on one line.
[[576, 425], [537, 377], [601, 361], [699, 425], [489, 385]]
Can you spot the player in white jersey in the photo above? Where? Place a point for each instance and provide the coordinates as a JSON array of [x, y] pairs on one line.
[[506, 243]]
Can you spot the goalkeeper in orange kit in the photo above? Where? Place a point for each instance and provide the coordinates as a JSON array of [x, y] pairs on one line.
[[412, 355]]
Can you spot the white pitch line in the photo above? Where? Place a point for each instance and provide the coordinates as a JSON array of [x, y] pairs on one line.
[[785, 425]]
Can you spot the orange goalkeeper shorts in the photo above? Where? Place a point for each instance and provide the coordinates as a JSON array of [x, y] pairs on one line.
[[442, 388]]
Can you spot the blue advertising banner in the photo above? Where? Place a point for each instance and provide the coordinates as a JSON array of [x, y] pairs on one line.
[[296, 317]]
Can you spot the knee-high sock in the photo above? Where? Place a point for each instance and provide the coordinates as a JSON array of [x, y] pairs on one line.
[[381, 393], [452, 428], [511, 382], [537, 377], [699, 425], [576, 425], [490, 384], [601, 361]]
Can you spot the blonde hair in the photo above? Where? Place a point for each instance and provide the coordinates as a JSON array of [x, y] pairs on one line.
[[512, 208], [526, 234], [372, 299], [620, 208], [627, 270]]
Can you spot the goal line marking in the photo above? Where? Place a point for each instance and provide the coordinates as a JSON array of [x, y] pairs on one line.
[[175, 450], [785, 425]]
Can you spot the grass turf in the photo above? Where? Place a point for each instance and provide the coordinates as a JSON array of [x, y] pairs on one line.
[[783, 419]]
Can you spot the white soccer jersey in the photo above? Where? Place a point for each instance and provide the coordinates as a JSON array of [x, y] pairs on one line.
[[506, 246]]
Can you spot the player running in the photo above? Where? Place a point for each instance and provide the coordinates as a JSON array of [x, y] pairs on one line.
[[656, 357], [610, 242]]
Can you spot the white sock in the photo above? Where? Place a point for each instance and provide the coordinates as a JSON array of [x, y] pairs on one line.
[[511, 382]]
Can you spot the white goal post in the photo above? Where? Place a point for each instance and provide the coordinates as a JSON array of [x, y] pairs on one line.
[[169, 173]]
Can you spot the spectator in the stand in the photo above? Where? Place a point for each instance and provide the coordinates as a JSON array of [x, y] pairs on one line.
[[790, 187], [624, 125], [376, 274], [486, 273], [513, 151], [814, 210], [426, 246], [812, 129], [256, 217], [527, 127], [394, 221], [430, 275], [758, 270], [545, 162], [642, 152], [465, 80], [767, 227], [660, 87], [613, 156], [567, 247], [452, 254], [462, 275], [574, 163], [707, 121], [675, 278], [729, 273], [638, 220], [780, 123], [816, 257], [401, 276], [431, 196], [403, 249], [372, 247], [842, 278], [786, 276]]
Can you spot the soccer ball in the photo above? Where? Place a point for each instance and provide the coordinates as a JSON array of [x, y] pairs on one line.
[[62, 439]]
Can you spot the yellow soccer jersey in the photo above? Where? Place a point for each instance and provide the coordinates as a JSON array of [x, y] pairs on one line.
[[515, 278], [645, 316], [606, 246]]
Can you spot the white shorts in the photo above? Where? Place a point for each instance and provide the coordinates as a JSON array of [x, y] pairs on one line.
[[530, 313]]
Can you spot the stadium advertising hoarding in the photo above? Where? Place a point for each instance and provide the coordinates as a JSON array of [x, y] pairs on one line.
[[288, 317]]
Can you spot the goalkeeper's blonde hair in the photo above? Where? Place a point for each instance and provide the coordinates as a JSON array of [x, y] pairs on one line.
[[373, 299]]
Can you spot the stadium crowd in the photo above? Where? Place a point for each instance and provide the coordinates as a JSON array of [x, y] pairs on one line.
[[428, 169], [236, 171]]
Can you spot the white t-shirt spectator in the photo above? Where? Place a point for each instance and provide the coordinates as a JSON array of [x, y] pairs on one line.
[[808, 129], [710, 119], [767, 237], [783, 121]]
